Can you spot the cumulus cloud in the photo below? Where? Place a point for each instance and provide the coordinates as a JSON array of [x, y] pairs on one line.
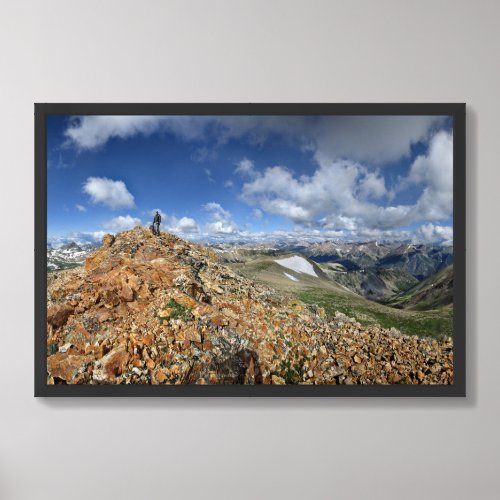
[[372, 185], [221, 227], [185, 225], [221, 221], [113, 194], [80, 208], [277, 191], [216, 211], [343, 194], [429, 233], [435, 172], [93, 132], [122, 223]]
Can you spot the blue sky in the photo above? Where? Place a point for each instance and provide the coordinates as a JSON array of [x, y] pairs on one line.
[[252, 178]]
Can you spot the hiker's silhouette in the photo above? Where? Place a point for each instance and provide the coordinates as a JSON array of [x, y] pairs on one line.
[[156, 223]]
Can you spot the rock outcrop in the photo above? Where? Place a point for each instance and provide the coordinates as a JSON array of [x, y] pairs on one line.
[[161, 310]]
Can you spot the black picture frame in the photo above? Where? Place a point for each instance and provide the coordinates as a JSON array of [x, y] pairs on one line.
[[456, 110]]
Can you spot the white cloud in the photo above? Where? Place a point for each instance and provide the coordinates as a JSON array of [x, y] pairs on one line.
[[429, 233], [221, 221], [229, 183], [93, 132], [257, 213], [340, 194], [277, 191], [426, 233], [372, 185], [187, 225], [122, 223], [246, 168], [80, 208], [221, 227], [216, 211], [435, 172], [113, 194]]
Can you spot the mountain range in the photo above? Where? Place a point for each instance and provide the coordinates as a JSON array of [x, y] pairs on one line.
[[417, 259], [377, 271]]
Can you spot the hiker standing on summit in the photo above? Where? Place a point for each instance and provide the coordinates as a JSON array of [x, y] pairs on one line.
[[156, 223]]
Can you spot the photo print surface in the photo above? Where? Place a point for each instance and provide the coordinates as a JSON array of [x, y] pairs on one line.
[[249, 250]]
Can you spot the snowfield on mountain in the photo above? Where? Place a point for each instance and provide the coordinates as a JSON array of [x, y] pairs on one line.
[[297, 264]]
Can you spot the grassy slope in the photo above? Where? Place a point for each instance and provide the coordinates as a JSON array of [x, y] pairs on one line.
[[434, 292], [377, 284], [333, 297]]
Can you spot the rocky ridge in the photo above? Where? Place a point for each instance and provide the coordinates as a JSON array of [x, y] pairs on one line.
[[161, 310]]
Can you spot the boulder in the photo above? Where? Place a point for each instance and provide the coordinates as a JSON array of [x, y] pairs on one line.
[[108, 240], [67, 366], [58, 315], [112, 365], [126, 293]]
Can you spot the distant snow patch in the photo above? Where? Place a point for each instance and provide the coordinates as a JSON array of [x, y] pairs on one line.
[[289, 276], [297, 264]]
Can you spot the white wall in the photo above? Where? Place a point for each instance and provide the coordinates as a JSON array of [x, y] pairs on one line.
[[248, 51]]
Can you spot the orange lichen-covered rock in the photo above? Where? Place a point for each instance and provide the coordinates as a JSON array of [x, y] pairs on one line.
[[66, 366], [112, 365]]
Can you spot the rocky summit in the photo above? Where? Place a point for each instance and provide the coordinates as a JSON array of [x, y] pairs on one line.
[[161, 310]]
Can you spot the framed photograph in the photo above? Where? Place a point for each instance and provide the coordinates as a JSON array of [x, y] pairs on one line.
[[250, 250]]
